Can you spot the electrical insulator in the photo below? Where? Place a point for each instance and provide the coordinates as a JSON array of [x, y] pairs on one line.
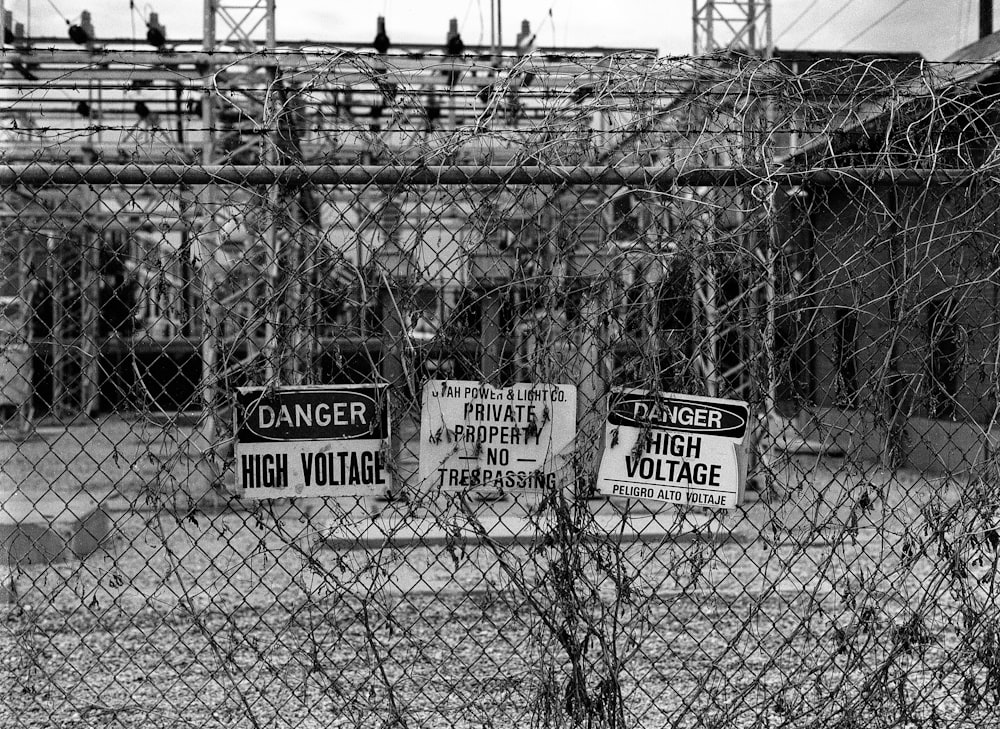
[[82, 33], [453, 45], [381, 42], [78, 35], [156, 34]]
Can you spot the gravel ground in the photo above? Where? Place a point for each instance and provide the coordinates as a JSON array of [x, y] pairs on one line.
[[235, 621], [839, 602]]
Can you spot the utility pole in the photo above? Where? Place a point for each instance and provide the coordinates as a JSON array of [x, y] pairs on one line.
[[496, 28]]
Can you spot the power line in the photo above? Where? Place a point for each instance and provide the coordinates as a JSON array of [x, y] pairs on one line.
[[797, 19], [889, 12], [59, 12], [822, 25], [539, 24]]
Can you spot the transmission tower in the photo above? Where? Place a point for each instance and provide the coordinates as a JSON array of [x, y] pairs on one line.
[[241, 22], [740, 25], [245, 26], [743, 26]]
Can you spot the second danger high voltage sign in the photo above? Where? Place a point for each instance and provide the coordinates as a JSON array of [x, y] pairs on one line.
[[474, 435], [679, 449]]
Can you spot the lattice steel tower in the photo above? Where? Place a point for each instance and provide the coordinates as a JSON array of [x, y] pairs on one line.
[[242, 22], [742, 25]]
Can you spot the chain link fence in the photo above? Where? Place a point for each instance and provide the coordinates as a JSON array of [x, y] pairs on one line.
[[819, 242]]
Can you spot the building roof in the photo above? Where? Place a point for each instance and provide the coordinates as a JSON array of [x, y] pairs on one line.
[[967, 67], [985, 48]]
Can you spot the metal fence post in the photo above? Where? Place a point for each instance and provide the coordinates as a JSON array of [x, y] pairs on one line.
[[395, 270], [594, 375], [491, 343]]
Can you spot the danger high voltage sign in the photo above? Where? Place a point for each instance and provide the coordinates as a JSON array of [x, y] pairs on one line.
[[679, 449], [325, 440]]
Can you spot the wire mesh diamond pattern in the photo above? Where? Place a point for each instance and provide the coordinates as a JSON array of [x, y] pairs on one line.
[[818, 243]]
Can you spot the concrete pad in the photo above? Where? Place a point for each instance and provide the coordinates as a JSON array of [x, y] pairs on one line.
[[808, 447], [50, 528]]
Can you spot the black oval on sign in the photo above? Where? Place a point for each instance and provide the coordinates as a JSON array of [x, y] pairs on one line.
[[321, 414], [639, 410]]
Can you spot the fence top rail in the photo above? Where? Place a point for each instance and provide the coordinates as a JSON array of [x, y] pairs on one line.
[[62, 174]]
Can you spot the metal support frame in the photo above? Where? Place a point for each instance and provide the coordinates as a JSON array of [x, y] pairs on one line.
[[739, 25], [242, 23]]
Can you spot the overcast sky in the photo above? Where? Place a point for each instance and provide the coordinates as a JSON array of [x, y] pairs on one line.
[[932, 27]]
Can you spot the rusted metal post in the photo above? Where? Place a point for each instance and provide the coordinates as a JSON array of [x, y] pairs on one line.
[[491, 343], [592, 372], [89, 305], [393, 372], [394, 271]]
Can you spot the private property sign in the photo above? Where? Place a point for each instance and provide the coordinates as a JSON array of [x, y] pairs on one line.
[[475, 435], [680, 449], [325, 440]]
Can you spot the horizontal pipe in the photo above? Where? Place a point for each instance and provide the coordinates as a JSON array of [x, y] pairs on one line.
[[437, 347], [43, 174]]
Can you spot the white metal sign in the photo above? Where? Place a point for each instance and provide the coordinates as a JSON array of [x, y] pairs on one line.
[[474, 435], [326, 440], [674, 448]]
